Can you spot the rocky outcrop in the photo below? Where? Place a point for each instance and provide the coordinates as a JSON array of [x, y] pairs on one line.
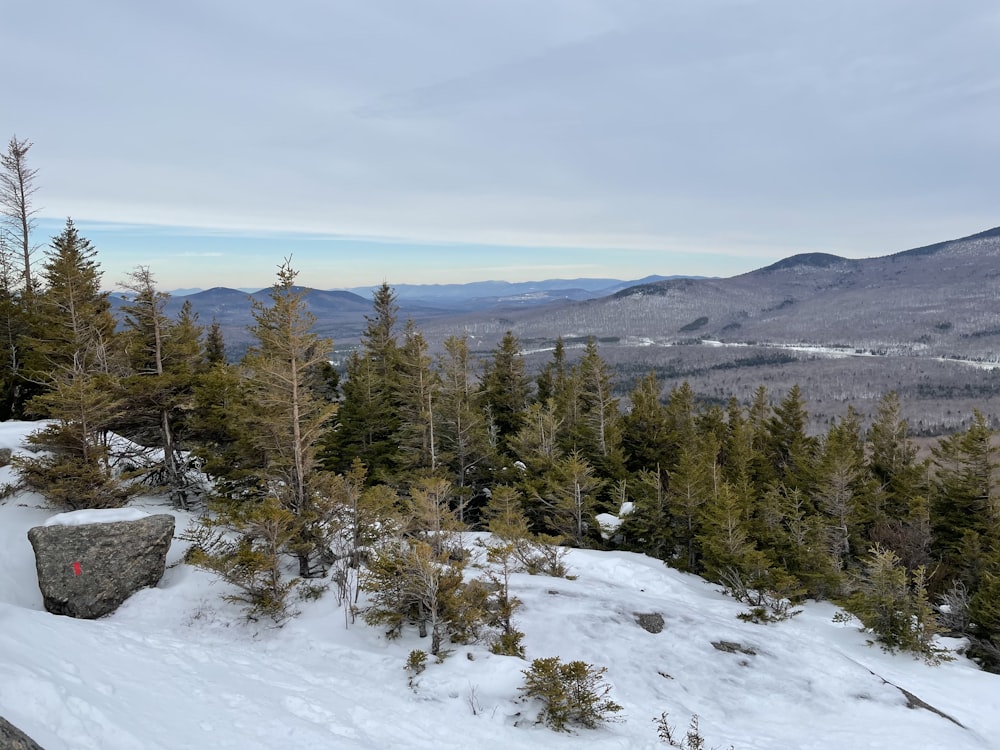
[[12, 738], [87, 570], [651, 622]]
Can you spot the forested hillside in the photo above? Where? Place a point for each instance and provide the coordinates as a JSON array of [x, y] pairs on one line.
[[301, 463]]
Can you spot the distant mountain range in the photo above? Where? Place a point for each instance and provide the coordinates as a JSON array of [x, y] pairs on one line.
[[340, 314], [939, 300]]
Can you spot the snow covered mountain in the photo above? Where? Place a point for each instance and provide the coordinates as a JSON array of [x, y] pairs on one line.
[[177, 668]]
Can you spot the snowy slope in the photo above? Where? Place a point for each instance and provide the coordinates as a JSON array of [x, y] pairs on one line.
[[176, 668]]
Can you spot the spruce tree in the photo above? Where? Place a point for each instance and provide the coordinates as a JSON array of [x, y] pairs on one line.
[[461, 430], [13, 327], [898, 476], [693, 482], [289, 417], [966, 505], [165, 359], [72, 356], [505, 389], [645, 427], [597, 429], [840, 488], [368, 421], [418, 393]]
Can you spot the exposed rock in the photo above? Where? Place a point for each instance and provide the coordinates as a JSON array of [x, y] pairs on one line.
[[12, 738], [651, 622], [88, 570], [912, 701], [733, 648]]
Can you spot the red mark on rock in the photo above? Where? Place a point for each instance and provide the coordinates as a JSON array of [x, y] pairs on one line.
[[77, 570]]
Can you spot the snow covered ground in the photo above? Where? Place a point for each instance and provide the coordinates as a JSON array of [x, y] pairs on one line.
[[177, 669]]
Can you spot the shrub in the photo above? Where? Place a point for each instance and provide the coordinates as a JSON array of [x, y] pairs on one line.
[[893, 605], [768, 592], [69, 478], [508, 643], [692, 739], [242, 543], [572, 694]]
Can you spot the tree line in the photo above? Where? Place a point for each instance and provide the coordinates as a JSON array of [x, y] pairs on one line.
[[361, 478]]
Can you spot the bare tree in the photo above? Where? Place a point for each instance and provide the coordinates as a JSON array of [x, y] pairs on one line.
[[17, 188]]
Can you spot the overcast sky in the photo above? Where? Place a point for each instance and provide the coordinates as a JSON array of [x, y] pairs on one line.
[[456, 140]]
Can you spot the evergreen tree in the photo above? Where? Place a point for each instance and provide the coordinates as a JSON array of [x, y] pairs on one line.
[[17, 190], [571, 501], [504, 390], [681, 414], [597, 429], [165, 357], [899, 477], [551, 381], [368, 421], [893, 605], [288, 418], [841, 486], [645, 427], [220, 431], [461, 431], [692, 484], [966, 505], [419, 386], [504, 514], [13, 327], [72, 356], [791, 451], [648, 527], [726, 545], [215, 345]]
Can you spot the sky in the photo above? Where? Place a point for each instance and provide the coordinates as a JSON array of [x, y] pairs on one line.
[[462, 140]]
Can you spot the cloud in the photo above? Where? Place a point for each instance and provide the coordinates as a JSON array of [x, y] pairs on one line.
[[722, 128]]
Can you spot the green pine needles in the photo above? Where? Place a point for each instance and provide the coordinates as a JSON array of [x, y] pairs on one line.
[[571, 695]]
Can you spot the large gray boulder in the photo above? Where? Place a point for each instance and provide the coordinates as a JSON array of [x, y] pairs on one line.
[[12, 738], [88, 569]]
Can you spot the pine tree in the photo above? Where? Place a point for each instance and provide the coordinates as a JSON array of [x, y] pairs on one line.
[[966, 502], [461, 431], [648, 527], [645, 427], [72, 357], [165, 357], [418, 393], [899, 477], [289, 418], [572, 497], [504, 390], [215, 345], [692, 484], [13, 327], [243, 545], [414, 582], [571, 694], [791, 451], [681, 414], [893, 605], [551, 381], [17, 190], [220, 430], [596, 431], [841, 485], [724, 538], [536, 444], [368, 420]]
